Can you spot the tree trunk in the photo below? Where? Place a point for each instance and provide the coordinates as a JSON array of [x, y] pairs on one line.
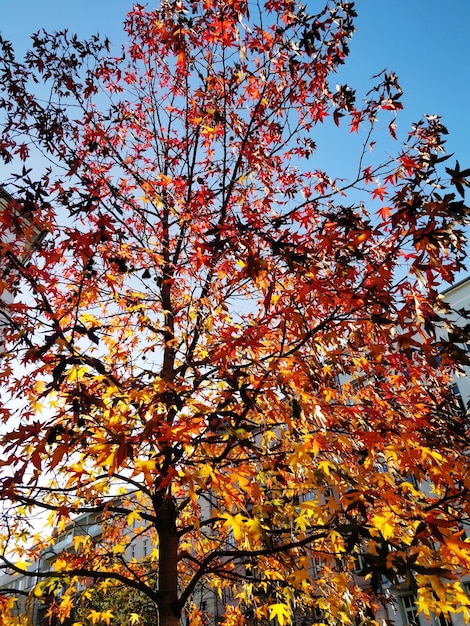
[[169, 620], [169, 609]]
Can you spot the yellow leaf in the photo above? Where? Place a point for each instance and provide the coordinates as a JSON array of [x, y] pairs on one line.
[[38, 590], [384, 523], [77, 468], [134, 516], [59, 565], [146, 466], [107, 616], [246, 594], [325, 467], [80, 540], [94, 616], [281, 612], [236, 524], [254, 527], [97, 616], [458, 547], [134, 618], [11, 602], [310, 506]]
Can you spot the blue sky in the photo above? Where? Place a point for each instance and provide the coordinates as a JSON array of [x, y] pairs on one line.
[[426, 42]]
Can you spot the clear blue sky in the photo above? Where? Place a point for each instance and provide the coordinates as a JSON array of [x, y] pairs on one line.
[[427, 43]]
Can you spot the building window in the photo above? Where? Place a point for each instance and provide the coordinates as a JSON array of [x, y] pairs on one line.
[[315, 567], [410, 610], [132, 550], [146, 547], [456, 400], [359, 562]]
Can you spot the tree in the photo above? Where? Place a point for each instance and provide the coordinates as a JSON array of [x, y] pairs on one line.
[[219, 341]]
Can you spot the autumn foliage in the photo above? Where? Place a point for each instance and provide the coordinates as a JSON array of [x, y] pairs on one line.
[[217, 345]]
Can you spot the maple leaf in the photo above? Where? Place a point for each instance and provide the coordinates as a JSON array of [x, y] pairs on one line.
[[95, 616], [236, 523], [281, 612], [459, 178], [379, 192], [385, 524]]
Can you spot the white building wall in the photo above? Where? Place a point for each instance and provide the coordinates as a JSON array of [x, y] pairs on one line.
[[458, 297]]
